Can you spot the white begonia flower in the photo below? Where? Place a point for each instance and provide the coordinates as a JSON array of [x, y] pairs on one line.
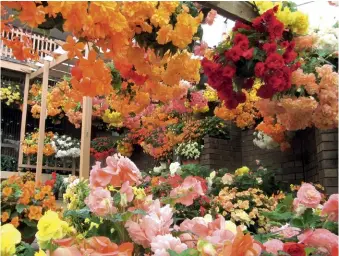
[[230, 226], [208, 218], [259, 180], [174, 168]]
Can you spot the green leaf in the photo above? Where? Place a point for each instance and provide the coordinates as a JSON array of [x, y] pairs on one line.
[[331, 226], [29, 223], [188, 252], [297, 222], [82, 213], [20, 207], [24, 249], [117, 198], [309, 250]]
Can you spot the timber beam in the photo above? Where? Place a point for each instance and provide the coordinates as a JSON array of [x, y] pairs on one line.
[[234, 10]]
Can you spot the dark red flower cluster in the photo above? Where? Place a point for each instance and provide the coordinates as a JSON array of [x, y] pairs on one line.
[[101, 148], [102, 155], [220, 78], [275, 68]]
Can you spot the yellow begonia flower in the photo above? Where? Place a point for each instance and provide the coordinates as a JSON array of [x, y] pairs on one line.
[[210, 94], [113, 118], [139, 193], [40, 253], [51, 227], [10, 236], [241, 171]]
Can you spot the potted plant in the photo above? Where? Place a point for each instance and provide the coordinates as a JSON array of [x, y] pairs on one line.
[[190, 152], [102, 147]]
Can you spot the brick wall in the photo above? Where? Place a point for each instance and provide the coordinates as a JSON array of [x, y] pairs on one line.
[[288, 165], [327, 157], [313, 156], [219, 153]]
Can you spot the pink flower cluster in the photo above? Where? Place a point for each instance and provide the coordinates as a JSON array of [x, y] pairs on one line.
[[307, 196], [198, 100]]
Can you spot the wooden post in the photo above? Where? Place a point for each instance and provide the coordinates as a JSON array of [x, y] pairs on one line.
[[86, 127], [23, 120], [42, 122]]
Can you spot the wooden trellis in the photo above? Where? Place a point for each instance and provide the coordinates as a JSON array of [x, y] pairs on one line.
[[85, 130]]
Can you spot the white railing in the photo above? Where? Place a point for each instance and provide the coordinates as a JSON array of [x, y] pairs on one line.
[[42, 44]]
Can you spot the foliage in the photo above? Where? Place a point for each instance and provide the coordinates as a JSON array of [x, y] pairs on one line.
[[215, 127], [8, 163]]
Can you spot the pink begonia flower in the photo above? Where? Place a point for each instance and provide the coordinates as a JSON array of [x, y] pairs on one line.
[[308, 195], [128, 171], [211, 17], [100, 202], [331, 208], [162, 243], [290, 232], [273, 246], [100, 177], [188, 240], [189, 190], [200, 50], [286, 231], [319, 238], [214, 232], [119, 170], [157, 222], [128, 191]]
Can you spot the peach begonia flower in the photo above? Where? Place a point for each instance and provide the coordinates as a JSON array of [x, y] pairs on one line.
[[100, 202], [319, 238], [331, 208], [189, 190], [119, 170], [157, 222], [162, 243], [273, 246], [308, 195]]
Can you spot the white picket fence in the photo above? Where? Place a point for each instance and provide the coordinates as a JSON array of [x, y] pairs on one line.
[[40, 43]]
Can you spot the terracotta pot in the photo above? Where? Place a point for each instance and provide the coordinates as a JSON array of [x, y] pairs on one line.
[[190, 161]]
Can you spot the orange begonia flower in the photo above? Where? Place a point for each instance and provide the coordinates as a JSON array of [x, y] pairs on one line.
[[4, 216], [73, 48], [7, 191], [35, 212], [31, 14], [15, 221]]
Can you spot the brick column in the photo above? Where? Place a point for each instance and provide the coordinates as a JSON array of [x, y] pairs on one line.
[[327, 158]]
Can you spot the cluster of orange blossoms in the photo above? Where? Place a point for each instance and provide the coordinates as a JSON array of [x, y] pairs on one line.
[[245, 114], [30, 144], [112, 27], [36, 200]]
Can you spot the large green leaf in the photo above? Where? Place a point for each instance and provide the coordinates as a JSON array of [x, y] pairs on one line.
[[20, 207], [82, 213]]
